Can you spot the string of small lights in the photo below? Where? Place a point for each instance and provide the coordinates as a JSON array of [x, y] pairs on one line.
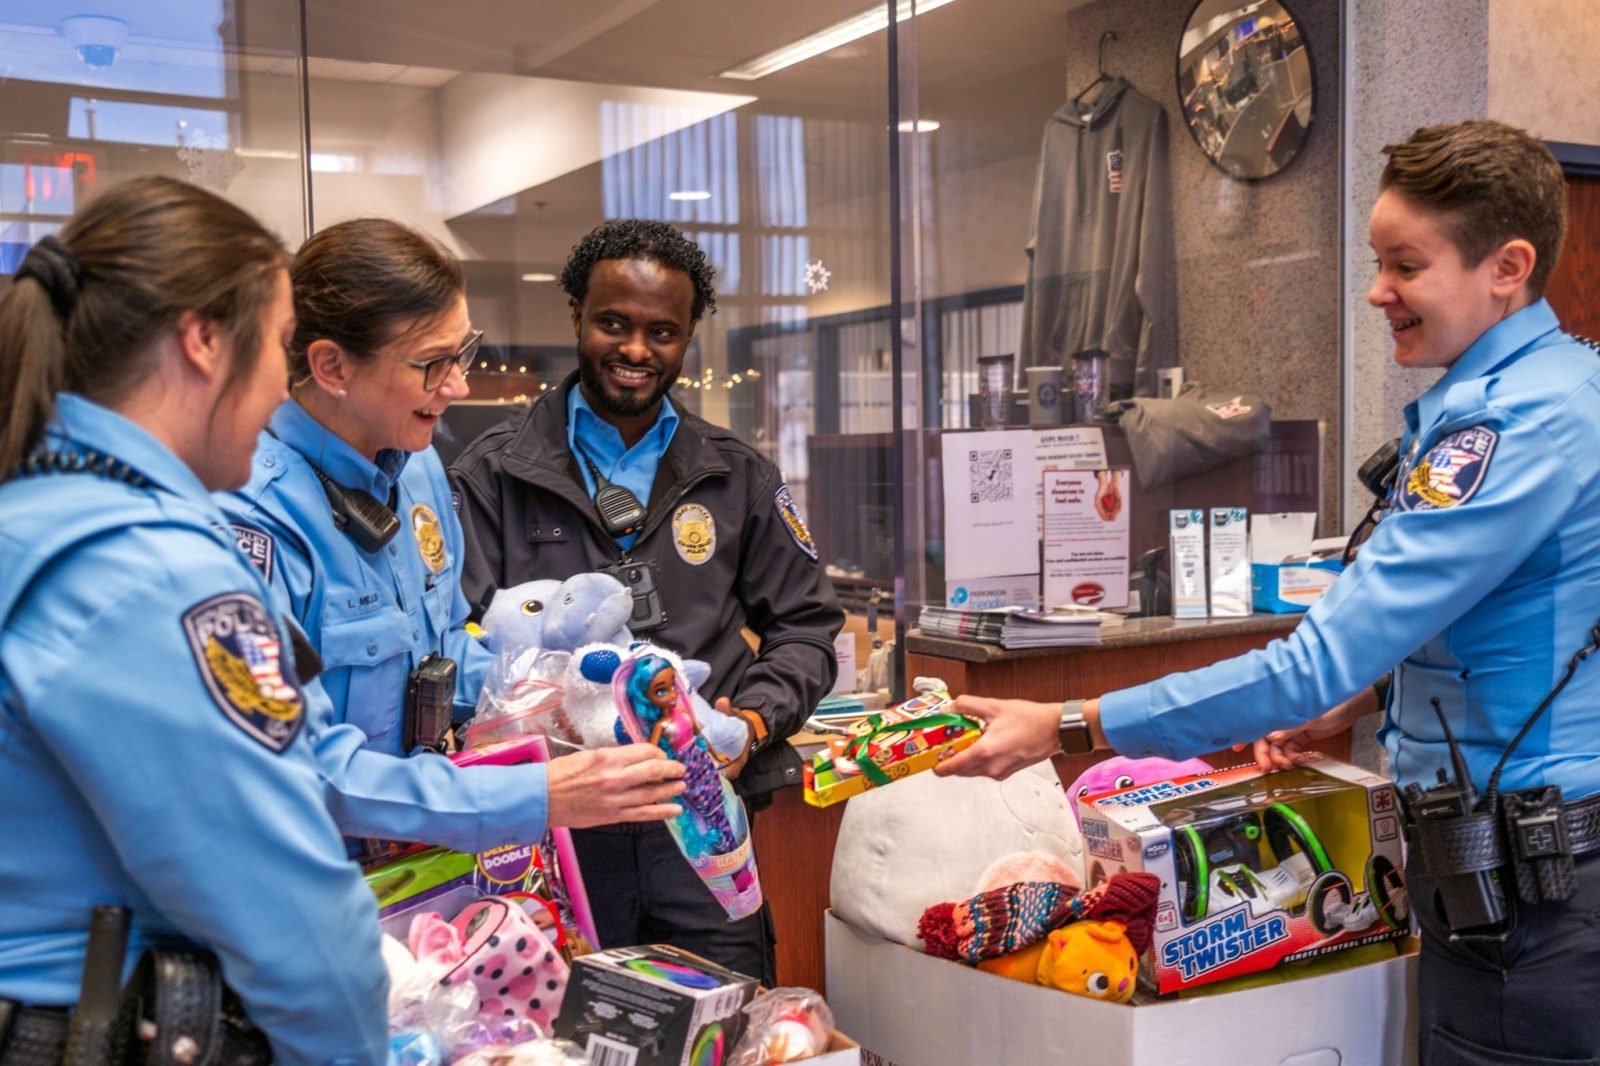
[[708, 378]]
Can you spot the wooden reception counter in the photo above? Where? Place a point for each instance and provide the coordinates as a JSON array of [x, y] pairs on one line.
[[794, 842]]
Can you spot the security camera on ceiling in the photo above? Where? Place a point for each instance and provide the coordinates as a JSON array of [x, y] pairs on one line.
[[96, 38]]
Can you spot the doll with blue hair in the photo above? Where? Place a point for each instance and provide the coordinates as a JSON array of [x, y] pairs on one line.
[[653, 706], [659, 699]]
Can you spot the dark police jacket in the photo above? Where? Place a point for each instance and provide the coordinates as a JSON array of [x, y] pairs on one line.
[[526, 515]]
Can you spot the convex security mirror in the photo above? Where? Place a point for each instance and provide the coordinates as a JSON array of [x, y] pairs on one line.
[[1244, 78]]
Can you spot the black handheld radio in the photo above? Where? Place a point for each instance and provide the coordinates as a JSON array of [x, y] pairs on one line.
[[1447, 828]]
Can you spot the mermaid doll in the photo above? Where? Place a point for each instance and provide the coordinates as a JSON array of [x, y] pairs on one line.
[[659, 700]]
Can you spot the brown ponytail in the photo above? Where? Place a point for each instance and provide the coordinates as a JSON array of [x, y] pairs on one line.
[[142, 255]]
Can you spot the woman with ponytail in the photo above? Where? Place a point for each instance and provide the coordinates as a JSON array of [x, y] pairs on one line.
[[153, 740]]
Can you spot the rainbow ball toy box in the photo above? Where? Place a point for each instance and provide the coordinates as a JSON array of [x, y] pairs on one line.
[[654, 1006], [1257, 869], [882, 748]]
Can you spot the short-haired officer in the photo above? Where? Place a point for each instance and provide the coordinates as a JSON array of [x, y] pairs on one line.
[[1479, 587]]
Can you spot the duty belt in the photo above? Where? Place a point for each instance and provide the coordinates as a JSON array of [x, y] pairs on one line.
[[30, 1036], [1477, 842]]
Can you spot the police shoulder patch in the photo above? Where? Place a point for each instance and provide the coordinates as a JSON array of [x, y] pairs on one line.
[[257, 545], [238, 651], [1450, 472], [789, 511]]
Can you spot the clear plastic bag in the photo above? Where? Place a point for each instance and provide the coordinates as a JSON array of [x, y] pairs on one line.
[[786, 1025], [522, 694], [548, 1052]]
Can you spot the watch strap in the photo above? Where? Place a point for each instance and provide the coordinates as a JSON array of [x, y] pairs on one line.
[[1073, 729], [758, 729]]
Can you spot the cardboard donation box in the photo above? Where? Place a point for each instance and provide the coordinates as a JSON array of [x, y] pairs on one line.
[[1257, 869], [911, 1009]]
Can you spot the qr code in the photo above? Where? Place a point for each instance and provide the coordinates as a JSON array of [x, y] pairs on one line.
[[989, 473]]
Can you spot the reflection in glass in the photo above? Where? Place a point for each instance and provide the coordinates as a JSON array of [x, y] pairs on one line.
[[1244, 76], [97, 91]]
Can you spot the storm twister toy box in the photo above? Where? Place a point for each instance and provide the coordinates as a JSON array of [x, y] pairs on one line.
[[1257, 869]]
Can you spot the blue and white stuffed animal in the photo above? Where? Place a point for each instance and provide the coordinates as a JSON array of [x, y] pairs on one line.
[[591, 706], [559, 615], [544, 630]]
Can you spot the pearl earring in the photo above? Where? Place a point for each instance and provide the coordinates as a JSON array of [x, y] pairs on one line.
[[343, 393]]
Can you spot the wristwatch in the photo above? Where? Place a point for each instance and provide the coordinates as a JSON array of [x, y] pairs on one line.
[[758, 729], [1074, 731]]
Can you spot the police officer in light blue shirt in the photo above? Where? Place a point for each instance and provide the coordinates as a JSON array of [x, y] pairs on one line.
[[1480, 586], [382, 346], [153, 740]]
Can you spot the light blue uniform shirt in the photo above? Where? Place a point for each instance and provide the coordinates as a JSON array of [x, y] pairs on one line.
[[153, 754], [1480, 582], [373, 616], [632, 468]]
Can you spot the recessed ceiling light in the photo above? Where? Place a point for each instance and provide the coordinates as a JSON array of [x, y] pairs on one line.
[[920, 125], [538, 276], [826, 40], [690, 194]]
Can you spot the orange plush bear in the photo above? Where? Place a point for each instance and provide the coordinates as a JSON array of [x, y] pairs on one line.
[[1087, 958]]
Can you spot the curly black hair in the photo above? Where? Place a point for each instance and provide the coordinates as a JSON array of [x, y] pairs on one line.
[[637, 238]]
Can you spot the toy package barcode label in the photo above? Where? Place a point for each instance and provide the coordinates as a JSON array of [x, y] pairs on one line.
[[883, 748]]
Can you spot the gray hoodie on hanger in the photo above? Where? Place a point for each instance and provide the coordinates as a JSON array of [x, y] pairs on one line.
[[1100, 253]]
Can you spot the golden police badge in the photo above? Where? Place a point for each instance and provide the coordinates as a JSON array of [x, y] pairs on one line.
[[430, 542], [694, 533]]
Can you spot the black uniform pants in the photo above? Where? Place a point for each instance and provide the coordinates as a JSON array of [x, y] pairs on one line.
[[1532, 1000], [643, 891]]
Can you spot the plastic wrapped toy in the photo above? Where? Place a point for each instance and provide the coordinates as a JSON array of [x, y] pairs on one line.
[[786, 1025], [556, 645], [907, 739], [534, 1053], [652, 703]]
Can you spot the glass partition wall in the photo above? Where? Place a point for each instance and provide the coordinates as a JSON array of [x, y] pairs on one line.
[[874, 200], [94, 92]]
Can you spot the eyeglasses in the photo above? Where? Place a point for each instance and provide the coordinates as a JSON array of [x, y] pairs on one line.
[[435, 372]]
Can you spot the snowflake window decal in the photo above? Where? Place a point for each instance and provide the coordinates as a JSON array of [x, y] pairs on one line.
[[817, 277]]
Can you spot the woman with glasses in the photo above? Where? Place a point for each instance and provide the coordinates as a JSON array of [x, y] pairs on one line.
[[348, 514]]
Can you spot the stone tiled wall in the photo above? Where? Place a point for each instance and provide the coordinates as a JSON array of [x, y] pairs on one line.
[[1258, 262], [1415, 63]]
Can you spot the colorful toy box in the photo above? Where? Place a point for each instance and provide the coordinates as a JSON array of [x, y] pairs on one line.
[[654, 1006], [415, 879], [883, 748], [1257, 869]]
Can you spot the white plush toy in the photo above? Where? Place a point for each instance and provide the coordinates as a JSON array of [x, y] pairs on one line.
[[591, 706], [559, 615], [546, 630], [934, 839]]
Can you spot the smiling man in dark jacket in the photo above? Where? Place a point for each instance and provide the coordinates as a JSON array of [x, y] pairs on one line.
[[720, 537]]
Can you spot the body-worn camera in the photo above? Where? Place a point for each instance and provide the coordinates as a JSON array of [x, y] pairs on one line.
[[640, 580], [430, 699]]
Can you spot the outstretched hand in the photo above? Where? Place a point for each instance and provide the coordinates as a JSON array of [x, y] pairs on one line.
[[1017, 733], [1284, 749], [631, 783]]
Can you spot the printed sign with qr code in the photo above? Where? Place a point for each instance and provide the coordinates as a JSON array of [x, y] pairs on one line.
[[989, 474]]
